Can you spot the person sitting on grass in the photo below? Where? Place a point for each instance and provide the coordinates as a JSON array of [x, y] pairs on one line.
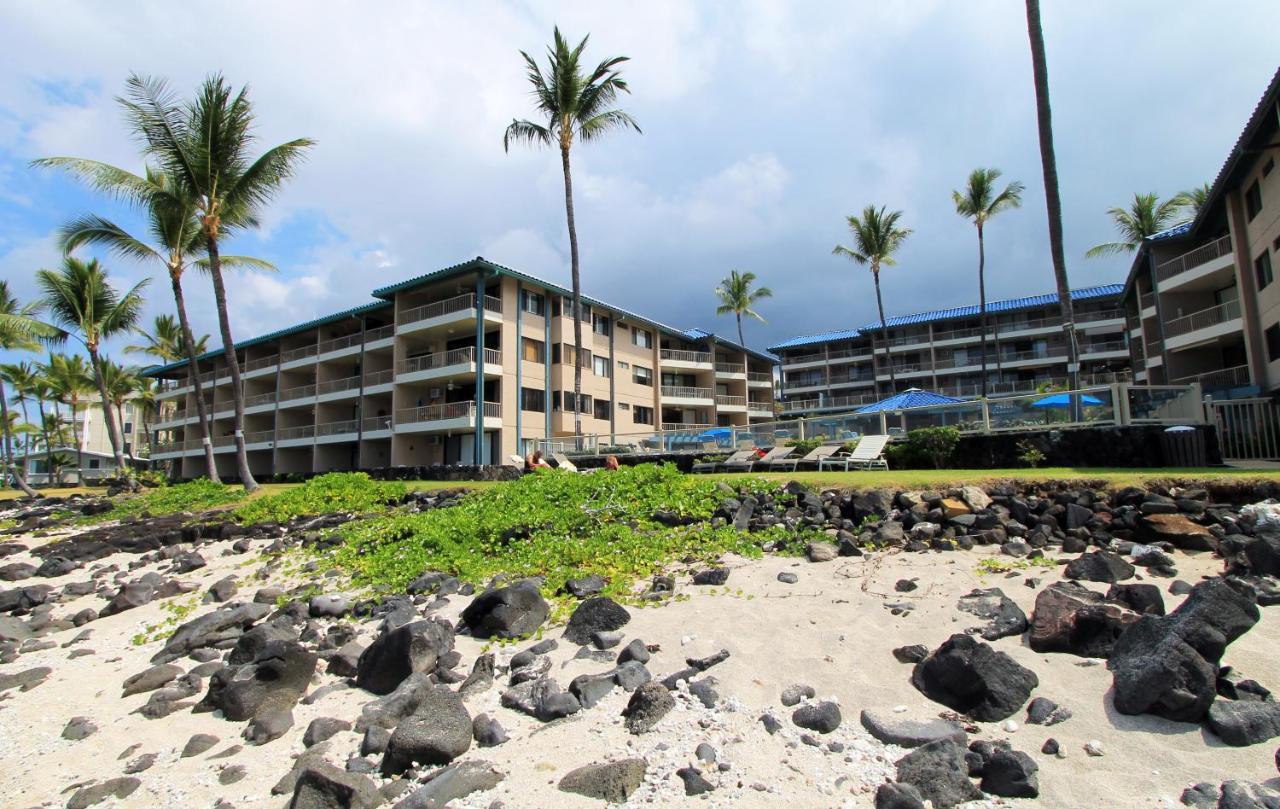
[[611, 463], [534, 462]]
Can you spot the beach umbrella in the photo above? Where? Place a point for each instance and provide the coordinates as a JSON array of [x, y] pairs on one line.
[[912, 397], [1064, 400]]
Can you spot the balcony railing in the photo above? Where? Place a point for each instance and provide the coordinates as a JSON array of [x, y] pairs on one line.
[[379, 378], [677, 355], [1148, 300], [1202, 319], [1222, 378], [753, 376], [1193, 258], [301, 431], [1102, 348], [259, 436], [340, 342], [449, 306], [338, 427], [795, 405], [731, 401], [445, 412], [680, 392], [260, 362], [380, 333], [760, 404], [300, 392], [730, 368], [260, 399], [445, 359], [375, 423], [796, 359], [338, 385], [850, 379], [677, 426], [299, 353]]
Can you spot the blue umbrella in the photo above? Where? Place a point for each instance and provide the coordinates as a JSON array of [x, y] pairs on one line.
[[715, 434], [1064, 400], [912, 397]]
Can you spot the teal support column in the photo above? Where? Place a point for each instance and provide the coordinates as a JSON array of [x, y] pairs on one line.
[[613, 388], [519, 348], [546, 365], [479, 439]]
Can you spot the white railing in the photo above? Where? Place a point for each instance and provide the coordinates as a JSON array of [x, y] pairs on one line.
[[301, 431], [676, 355], [1235, 377], [1148, 300], [730, 368], [446, 412], [340, 342], [380, 333], [1202, 319], [337, 427], [754, 376], [449, 306], [376, 423], [338, 385], [731, 401], [299, 353], [379, 378], [679, 392], [300, 392], [260, 399], [261, 362], [445, 359], [259, 436], [1193, 258], [676, 426]]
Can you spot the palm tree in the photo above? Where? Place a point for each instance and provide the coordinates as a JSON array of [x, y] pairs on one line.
[[1193, 199], [1146, 216], [70, 380], [576, 106], [171, 341], [81, 301], [737, 297], [978, 203], [203, 146], [120, 383], [1053, 201], [20, 330], [876, 237], [21, 376], [43, 391], [145, 402]]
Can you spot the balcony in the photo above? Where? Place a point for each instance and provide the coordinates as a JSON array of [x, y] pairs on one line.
[[828, 403], [1206, 324], [377, 379], [461, 307], [264, 437], [296, 355], [341, 344], [446, 363], [377, 426], [683, 427], [332, 431], [731, 403], [1109, 347], [695, 360], [1195, 263], [759, 407], [755, 379], [1223, 378], [337, 388], [380, 333], [851, 379], [261, 364], [299, 393], [676, 394], [296, 436], [448, 416], [260, 402], [731, 369]]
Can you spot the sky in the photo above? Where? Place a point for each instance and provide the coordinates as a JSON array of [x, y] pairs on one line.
[[765, 124]]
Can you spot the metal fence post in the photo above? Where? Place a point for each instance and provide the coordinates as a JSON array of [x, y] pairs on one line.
[[800, 428], [884, 423], [986, 414], [1120, 403]]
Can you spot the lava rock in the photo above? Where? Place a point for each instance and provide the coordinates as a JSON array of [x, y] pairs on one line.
[[892, 729], [453, 783], [437, 733], [322, 786], [898, 796], [1100, 566], [1004, 618], [973, 678], [323, 727], [1069, 617], [1144, 599], [398, 653], [487, 731], [1241, 724], [274, 682], [823, 717], [611, 781], [595, 615], [939, 772], [507, 612], [1010, 774], [648, 705]]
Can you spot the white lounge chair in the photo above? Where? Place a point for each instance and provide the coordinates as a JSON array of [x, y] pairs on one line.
[[562, 462], [869, 454], [516, 460], [815, 457], [737, 457], [751, 463]]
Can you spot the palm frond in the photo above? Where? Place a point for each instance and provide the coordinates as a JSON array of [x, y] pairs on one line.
[[526, 131], [95, 230], [596, 126], [102, 177]]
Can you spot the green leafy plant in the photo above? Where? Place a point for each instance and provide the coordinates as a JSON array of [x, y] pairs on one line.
[[1029, 454], [335, 492], [803, 446], [925, 448], [1005, 564], [194, 496]]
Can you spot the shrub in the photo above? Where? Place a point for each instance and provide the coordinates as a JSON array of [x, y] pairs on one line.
[[194, 496], [804, 445], [1030, 454], [325, 494], [925, 448], [623, 525]]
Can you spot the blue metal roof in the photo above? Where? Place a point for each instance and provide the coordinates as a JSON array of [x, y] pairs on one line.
[[913, 397], [1178, 230], [1014, 304]]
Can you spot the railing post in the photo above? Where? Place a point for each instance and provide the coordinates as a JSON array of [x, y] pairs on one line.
[[986, 414], [884, 423], [800, 428], [1120, 403]]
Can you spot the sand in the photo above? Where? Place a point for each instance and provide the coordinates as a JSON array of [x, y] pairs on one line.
[[830, 630]]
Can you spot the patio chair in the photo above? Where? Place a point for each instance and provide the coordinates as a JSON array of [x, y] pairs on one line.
[[868, 454], [562, 462], [516, 460], [737, 457], [815, 457], [751, 463]]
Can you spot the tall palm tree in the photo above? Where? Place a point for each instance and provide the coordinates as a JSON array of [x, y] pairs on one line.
[[20, 330], [21, 376], [203, 145], [737, 297], [1053, 201], [1146, 216], [170, 341], [575, 106], [81, 300], [70, 381], [1193, 199], [120, 383], [876, 237], [978, 203], [42, 391], [145, 402]]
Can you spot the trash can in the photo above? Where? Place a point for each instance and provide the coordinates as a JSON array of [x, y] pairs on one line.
[[1183, 446]]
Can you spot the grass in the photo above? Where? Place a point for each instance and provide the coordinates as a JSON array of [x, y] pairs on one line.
[[334, 492], [62, 491], [931, 478]]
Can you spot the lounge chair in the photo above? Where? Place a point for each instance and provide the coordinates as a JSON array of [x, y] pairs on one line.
[[516, 460], [737, 457], [815, 457], [868, 454], [562, 462], [751, 463]]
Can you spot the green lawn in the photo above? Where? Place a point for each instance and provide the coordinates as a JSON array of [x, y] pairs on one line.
[[88, 491]]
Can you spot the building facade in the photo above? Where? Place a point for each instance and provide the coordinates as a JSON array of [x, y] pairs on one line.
[[470, 364], [942, 351], [1201, 298]]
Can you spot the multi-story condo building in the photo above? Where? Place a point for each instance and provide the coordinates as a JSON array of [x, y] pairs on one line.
[[1201, 297], [941, 351], [469, 364]]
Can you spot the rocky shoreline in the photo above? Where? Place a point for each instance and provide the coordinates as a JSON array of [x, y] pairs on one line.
[[971, 647]]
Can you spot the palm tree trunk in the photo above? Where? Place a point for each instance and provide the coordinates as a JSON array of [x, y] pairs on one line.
[[18, 479], [75, 435], [188, 340], [577, 297], [48, 444], [237, 394], [741, 341], [884, 333], [1053, 202], [982, 307], [113, 435]]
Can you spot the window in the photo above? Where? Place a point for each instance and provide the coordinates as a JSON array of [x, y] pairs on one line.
[[128, 428], [95, 463], [1266, 169], [624, 365], [555, 354], [603, 409], [623, 406], [566, 306], [1273, 342], [1262, 270], [555, 401], [533, 350], [600, 365], [641, 338], [584, 404], [1253, 200], [533, 303], [533, 400], [642, 376], [600, 325], [642, 415]]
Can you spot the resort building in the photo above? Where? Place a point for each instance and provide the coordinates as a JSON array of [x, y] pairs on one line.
[[1201, 298], [469, 364], [941, 351]]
